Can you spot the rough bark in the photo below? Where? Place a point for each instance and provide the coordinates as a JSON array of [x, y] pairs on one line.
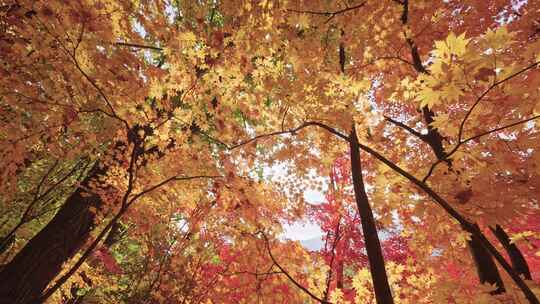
[[381, 287], [26, 276]]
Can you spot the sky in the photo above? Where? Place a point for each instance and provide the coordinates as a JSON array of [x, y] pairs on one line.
[[299, 230], [305, 230]]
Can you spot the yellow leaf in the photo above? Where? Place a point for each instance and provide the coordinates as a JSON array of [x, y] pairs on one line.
[[499, 38], [453, 45], [440, 121], [452, 92], [428, 97], [457, 44]]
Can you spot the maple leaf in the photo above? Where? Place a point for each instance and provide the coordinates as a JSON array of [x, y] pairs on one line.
[[499, 38], [464, 196], [428, 97], [221, 94], [484, 74], [452, 45], [452, 92]]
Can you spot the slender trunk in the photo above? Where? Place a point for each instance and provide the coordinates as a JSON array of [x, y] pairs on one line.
[[383, 293], [467, 226], [32, 269], [485, 266], [516, 257], [339, 274]]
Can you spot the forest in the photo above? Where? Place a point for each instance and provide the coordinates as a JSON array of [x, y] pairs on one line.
[[158, 151]]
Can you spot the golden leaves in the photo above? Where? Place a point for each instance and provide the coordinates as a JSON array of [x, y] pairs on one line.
[[239, 76], [302, 21], [452, 46], [499, 38], [445, 124]]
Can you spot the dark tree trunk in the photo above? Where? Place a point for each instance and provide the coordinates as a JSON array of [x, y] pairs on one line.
[[383, 293], [114, 235], [485, 266], [6, 242], [339, 275], [516, 257], [32, 269]]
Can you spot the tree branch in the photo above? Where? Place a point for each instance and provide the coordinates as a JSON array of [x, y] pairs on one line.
[[100, 236], [138, 46], [462, 125], [458, 145], [465, 224], [329, 14], [407, 128], [497, 130], [304, 289], [168, 180]]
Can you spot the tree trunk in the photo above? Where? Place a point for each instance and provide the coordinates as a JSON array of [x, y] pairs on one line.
[[339, 274], [485, 266], [114, 235], [516, 257], [32, 269], [383, 293]]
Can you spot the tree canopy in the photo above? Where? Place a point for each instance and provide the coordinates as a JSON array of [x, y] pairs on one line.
[[152, 151]]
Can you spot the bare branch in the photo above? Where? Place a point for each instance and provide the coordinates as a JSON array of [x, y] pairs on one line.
[[458, 145], [329, 14], [168, 180], [289, 131], [462, 125], [304, 289], [499, 129], [407, 128], [257, 274], [138, 46]]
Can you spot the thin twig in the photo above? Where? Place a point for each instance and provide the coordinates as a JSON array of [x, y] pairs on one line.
[[341, 11], [458, 145], [330, 15], [404, 126], [498, 129], [304, 289], [462, 125], [138, 46]]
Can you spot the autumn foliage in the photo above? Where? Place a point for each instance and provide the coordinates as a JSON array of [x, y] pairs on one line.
[[153, 151]]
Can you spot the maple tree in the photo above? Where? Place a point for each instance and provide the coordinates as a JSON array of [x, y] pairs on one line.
[[138, 140], [344, 247]]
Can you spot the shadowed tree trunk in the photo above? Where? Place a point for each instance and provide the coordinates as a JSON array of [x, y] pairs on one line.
[[383, 293], [485, 266], [516, 257], [41, 259], [115, 234], [32, 269]]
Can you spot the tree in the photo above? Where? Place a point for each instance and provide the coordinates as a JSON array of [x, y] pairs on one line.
[[344, 247], [138, 136]]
